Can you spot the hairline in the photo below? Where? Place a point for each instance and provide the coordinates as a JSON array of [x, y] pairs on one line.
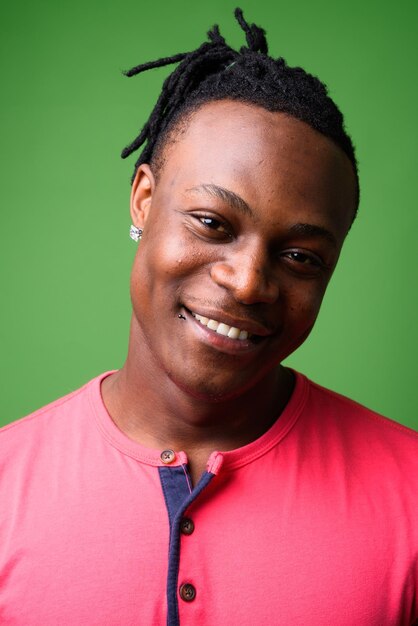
[[179, 123]]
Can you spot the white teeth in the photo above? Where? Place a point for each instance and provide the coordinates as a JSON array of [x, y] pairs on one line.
[[213, 324], [233, 332], [223, 329]]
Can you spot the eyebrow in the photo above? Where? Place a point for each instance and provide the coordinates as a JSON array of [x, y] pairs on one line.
[[312, 230], [234, 200]]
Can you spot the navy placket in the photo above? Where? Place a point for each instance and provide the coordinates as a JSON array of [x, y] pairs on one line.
[[178, 495]]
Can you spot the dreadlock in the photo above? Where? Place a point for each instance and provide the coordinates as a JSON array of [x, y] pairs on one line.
[[217, 72]]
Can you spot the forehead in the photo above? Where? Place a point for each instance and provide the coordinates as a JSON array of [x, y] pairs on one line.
[[270, 158]]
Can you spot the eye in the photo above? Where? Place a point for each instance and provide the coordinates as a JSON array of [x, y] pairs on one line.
[[213, 224], [213, 228], [303, 262], [301, 257]]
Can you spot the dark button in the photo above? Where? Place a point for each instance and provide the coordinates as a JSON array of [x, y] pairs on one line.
[[187, 526], [167, 456], [187, 592]]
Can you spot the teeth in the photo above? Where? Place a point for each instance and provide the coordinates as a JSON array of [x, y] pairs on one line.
[[221, 328]]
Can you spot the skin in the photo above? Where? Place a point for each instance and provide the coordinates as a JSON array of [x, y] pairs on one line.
[[244, 224]]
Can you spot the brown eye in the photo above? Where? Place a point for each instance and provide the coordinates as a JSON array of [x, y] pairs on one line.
[[304, 263], [213, 224], [303, 258]]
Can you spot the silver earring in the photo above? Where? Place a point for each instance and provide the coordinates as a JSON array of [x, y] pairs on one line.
[[135, 233]]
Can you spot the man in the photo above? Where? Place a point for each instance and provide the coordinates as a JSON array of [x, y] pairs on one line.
[[205, 483]]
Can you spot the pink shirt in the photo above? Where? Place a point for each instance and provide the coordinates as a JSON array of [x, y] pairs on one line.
[[313, 523]]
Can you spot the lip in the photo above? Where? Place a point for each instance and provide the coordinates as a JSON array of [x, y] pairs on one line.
[[252, 327], [220, 342]]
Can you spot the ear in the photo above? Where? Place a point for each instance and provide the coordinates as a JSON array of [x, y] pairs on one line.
[[141, 195]]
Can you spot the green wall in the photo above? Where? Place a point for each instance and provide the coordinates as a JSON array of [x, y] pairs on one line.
[[65, 253]]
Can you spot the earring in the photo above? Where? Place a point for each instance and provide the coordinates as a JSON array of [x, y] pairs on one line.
[[135, 233]]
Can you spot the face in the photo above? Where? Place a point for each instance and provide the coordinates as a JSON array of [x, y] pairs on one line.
[[242, 232]]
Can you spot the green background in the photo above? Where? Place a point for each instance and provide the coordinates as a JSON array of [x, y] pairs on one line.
[[65, 253]]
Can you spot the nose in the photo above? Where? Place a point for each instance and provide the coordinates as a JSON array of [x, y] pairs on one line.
[[248, 276]]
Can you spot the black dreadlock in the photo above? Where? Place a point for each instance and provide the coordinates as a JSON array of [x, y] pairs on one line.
[[217, 72]]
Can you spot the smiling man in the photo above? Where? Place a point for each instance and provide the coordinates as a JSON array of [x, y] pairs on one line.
[[205, 483]]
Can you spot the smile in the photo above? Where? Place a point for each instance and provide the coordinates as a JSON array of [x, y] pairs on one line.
[[222, 329]]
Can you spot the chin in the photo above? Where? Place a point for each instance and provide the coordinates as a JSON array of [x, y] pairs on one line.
[[213, 391]]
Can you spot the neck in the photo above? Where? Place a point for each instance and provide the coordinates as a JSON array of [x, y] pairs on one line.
[[151, 409]]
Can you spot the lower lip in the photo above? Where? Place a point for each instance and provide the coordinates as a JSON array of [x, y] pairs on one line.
[[220, 342]]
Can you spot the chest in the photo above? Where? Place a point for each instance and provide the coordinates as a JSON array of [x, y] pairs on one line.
[[250, 547]]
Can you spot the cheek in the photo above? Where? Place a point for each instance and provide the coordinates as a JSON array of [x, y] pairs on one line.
[[302, 304], [300, 309], [161, 267]]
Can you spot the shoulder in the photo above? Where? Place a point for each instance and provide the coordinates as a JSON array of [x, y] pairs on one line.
[[49, 423], [344, 408], [361, 431]]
